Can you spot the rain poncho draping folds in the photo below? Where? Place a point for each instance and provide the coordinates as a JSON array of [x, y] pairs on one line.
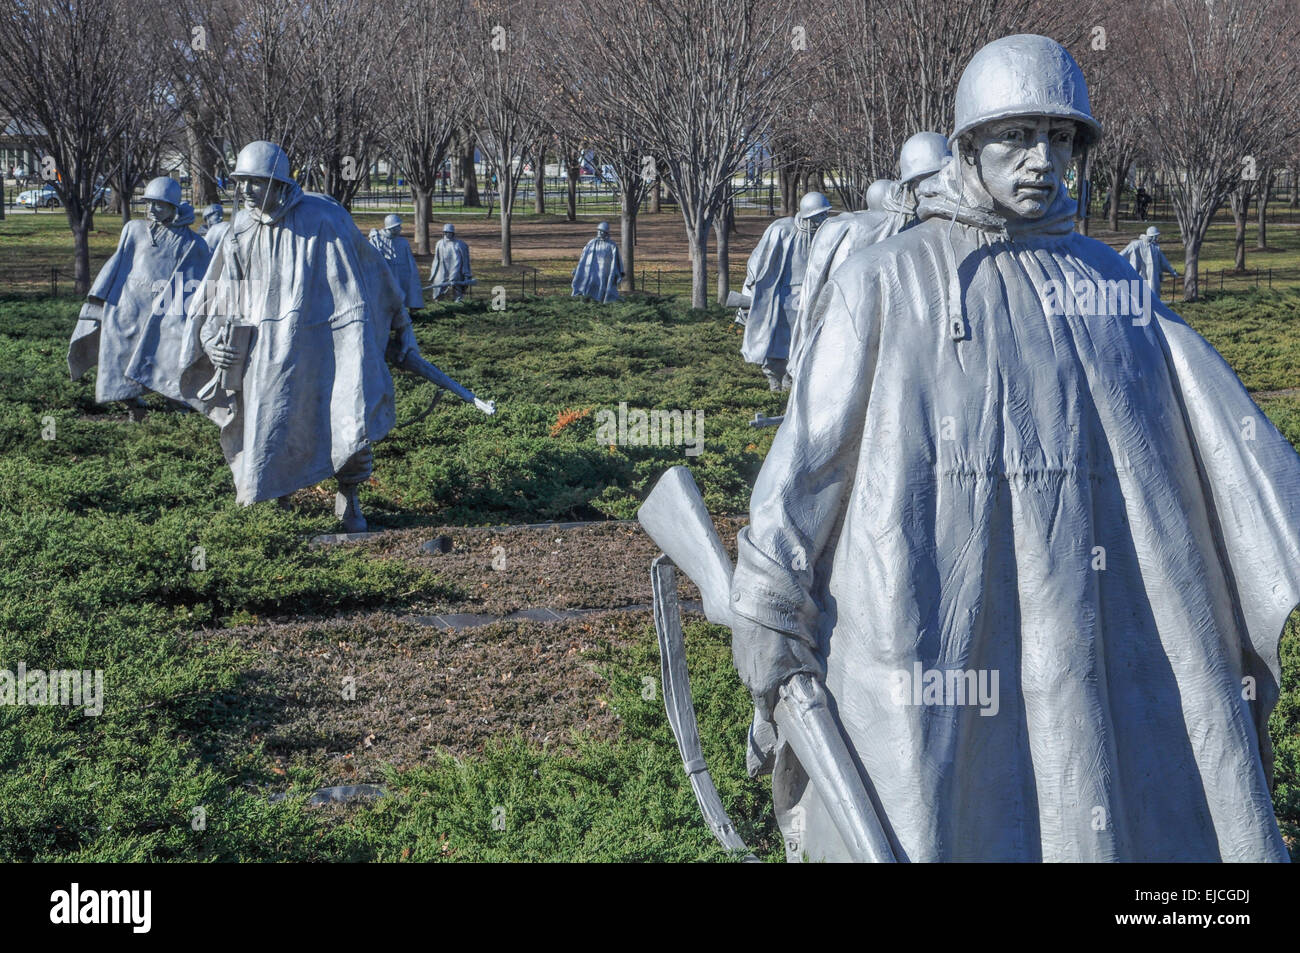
[[773, 278], [215, 233], [834, 242], [1090, 506], [401, 262], [600, 269], [1149, 262], [131, 326], [316, 388], [450, 264]]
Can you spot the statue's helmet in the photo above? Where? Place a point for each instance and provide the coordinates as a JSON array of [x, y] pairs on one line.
[[163, 189], [1023, 75], [922, 156], [1153, 232], [876, 193], [392, 221], [214, 213], [449, 229], [262, 160], [812, 205], [602, 229]]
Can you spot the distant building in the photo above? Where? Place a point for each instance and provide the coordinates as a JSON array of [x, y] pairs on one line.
[[13, 153]]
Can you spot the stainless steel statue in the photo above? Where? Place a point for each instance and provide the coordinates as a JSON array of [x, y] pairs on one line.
[[1035, 545], [600, 268], [451, 273], [388, 241], [1148, 260], [877, 192], [922, 156], [286, 341], [133, 318], [774, 279], [215, 227]]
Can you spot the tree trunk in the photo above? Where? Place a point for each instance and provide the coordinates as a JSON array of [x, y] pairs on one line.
[[504, 185], [698, 238], [627, 240], [458, 163], [1118, 172], [1191, 270], [203, 159], [1261, 208], [81, 225], [1240, 203], [656, 196], [470, 178], [539, 180], [1295, 189], [722, 227], [571, 211], [423, 199]]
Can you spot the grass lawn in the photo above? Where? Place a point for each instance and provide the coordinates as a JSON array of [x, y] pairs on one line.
[[225, 638]]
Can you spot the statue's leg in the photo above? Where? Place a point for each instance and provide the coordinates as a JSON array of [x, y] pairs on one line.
[[347, 505], [774, 371]]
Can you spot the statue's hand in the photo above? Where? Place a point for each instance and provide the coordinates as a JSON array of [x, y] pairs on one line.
[[406, 343], [766, 659], [488, 407], [223, 356]]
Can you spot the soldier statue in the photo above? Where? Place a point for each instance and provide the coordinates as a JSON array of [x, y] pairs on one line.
[[774, 280], [600, 268], [133, 318], [286, 341]]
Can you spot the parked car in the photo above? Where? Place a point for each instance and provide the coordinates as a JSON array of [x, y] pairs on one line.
[[47, 197]]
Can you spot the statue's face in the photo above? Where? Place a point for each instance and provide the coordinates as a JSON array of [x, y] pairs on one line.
[[261, 194], [395, 230], [815, 221], [161, 212], [1022, 162]]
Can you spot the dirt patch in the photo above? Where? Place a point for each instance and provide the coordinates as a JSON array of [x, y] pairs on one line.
[[414, 690], [595, 566]]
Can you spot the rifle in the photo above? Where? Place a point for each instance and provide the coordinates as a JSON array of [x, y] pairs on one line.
[[742, 303], [413, 363], [674, 516]]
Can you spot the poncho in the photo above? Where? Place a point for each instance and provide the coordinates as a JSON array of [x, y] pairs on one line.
[[600, 269], [834, 242], [450, 265], [1149, 261], [773, 280], [131, 325], [401, 262], [215, 233], [970, 484], [322, 304]]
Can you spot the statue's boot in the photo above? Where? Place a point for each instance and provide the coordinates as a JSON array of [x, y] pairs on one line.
[[347, 505], [137, 408]]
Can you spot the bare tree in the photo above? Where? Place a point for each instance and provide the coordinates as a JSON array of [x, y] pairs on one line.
[[1213, 103], [347, 72], [63, 78], [590, 100], [426, 102], [701, 78], [498, 60]]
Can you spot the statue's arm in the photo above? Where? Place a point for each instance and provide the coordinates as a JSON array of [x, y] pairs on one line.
[[801, 494]]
